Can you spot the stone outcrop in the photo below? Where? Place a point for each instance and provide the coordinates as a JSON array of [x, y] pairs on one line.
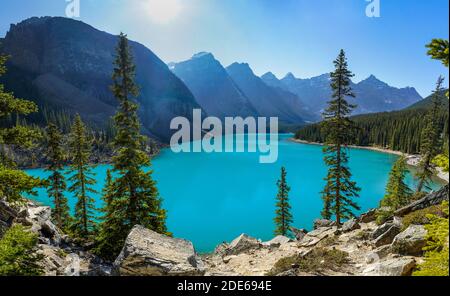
[[396, 267], [147, 253], [314, 237], [351, 225], [277, 241], [432, 199], [368, 216], [7, 216], [298, 233], [411, 241], [387, 232], [319, 223], [60, 256], [242, 244]]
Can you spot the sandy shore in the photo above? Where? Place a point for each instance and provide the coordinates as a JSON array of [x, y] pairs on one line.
[[412, 160]]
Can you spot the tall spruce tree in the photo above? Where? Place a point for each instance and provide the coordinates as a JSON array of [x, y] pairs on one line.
[[13, 182], [326, 211], [339, 131], [398, 194], [134, 196], [56, 183], [81, 179], [431, 140], [283, 217]]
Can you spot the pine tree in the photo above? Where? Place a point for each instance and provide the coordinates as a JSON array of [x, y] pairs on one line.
[[398, 193], [107, 190], [13, 182], [283, 217], [431, 140], [438, 49], [81, 179], [134, 196], [326, 211], [56, 184], [339, 130]]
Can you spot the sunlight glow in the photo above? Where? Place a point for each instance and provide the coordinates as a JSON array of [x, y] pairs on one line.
[[162, 11]]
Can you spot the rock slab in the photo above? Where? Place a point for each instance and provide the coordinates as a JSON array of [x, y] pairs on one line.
[[147, 253], [411, 241]]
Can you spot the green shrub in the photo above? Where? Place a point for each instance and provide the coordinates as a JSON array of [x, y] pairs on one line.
[[382, 215], [437, 251], [422, 217], [436, 264], [442, 161], [363, 235], [15, 183], [317, 260], [329, 241], [17, 253]]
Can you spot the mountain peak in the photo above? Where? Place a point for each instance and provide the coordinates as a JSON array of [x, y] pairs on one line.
[[241, 67], [289, 76], [203, 55], [373, 80], [269, 75]]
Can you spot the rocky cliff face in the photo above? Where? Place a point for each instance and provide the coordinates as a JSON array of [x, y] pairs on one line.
[[268, 101], [213, 87], [61, 256], [66, 64]]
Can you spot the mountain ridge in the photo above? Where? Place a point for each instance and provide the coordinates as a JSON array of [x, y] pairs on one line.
[[55, 61]]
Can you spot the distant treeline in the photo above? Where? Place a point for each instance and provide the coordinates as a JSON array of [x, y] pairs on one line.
[[399, 131]]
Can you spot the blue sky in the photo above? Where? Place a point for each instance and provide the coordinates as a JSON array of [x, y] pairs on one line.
[[298, 36]]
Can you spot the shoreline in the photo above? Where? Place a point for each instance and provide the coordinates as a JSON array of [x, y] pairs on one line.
[[412, 160]]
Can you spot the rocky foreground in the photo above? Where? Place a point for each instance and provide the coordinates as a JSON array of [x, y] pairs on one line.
[[359, 247]]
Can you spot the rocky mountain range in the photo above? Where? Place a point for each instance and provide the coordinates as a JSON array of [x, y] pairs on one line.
[[213, 87], [64, 64], [67, 64], [372, 94]]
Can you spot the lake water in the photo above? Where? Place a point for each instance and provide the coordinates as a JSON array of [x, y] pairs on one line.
[[212, 198]]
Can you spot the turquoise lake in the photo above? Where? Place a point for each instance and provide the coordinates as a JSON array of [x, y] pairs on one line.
[[214, 197]]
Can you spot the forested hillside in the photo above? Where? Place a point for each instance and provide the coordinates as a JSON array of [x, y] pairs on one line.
[[399, 130]]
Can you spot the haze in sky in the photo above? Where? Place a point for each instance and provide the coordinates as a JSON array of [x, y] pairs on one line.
[[298, 36]]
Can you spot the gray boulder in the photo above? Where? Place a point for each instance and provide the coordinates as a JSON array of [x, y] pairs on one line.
[[147, 253], [315, 236], [411, 241], [387, 237], [351, 225], [242, 244], [378, 254], [368, 217], [7, 216], [385, 233], [221, 249], [402, 266], [277, 241], [323, 223], [298, 233], [72, 265], [431, 199]]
